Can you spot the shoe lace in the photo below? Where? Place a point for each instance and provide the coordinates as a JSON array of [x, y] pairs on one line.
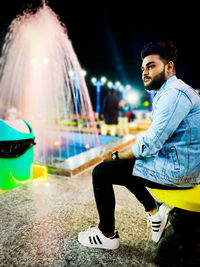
[[94, 229], [169, 207]]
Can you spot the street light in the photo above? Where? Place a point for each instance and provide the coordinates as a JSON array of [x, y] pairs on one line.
[[125, 90], [128, 87], [76, 80], [114, 86], [98, 84], [132, 97]]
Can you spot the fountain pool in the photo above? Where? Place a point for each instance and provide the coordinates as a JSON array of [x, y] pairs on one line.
[[42, 82], [75, 143]]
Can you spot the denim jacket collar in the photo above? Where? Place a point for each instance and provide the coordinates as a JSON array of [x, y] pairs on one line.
[[162, 88]]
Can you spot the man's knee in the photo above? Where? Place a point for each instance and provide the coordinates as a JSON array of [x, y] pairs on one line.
[[98, 173]]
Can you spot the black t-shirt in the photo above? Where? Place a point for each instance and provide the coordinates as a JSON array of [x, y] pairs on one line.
[[110, 109]]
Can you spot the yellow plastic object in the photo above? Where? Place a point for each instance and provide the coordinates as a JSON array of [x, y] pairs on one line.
[[39, 172], [2, 191], [187, 199]]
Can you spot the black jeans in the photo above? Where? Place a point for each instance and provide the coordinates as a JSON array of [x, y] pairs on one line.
[[119, 172]]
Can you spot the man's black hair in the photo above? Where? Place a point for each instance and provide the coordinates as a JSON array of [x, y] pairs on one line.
[[166, 50]]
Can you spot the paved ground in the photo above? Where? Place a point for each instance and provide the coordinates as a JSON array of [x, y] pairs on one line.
[[39, 224]]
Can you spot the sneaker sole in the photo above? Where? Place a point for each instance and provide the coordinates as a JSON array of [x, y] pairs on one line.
[[95, 245]]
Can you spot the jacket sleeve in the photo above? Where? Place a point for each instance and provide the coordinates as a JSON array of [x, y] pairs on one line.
[[171, 108]]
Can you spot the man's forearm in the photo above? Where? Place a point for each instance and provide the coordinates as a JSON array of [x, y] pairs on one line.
[[126, 154]]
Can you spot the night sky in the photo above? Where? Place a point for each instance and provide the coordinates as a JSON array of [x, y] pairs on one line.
[[108, 38]]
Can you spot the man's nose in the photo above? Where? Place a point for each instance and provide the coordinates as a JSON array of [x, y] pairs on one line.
[[145, 72]]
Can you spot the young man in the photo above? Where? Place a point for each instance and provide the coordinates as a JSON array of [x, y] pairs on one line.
[[110, 113], [166, 157]]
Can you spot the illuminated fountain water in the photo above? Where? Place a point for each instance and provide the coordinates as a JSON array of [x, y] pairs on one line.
[[35, 82]]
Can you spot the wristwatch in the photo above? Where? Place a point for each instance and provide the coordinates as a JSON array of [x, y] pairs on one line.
[[115, 155]]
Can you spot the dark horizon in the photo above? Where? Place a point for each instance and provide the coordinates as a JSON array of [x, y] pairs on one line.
[[108, 40]]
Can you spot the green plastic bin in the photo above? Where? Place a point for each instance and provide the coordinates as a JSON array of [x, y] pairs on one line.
[[16, 155]]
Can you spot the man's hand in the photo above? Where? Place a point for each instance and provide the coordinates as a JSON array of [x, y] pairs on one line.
[[106, 156]]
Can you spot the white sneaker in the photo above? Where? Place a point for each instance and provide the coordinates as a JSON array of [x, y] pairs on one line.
[[94, 238], [159, 221]]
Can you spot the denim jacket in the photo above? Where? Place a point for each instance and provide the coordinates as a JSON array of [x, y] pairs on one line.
[[169, 153]]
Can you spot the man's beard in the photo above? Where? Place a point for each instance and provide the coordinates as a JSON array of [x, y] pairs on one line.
[[157, 82]]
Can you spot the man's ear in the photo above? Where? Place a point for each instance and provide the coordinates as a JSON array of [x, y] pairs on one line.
[[170, 66]]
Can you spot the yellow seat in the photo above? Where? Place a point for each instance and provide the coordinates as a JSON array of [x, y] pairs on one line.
[[187, 199]]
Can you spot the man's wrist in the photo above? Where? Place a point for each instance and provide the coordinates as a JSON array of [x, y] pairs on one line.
[[115, 155]]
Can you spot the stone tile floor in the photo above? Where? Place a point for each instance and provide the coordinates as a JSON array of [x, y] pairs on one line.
[[39, 224]]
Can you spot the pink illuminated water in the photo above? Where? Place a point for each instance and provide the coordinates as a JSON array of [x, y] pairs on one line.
[[35, 83]]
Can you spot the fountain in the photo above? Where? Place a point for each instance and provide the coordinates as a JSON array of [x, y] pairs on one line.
[[36, 84]]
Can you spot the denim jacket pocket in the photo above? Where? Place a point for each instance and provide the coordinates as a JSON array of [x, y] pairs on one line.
[[174, 157]]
